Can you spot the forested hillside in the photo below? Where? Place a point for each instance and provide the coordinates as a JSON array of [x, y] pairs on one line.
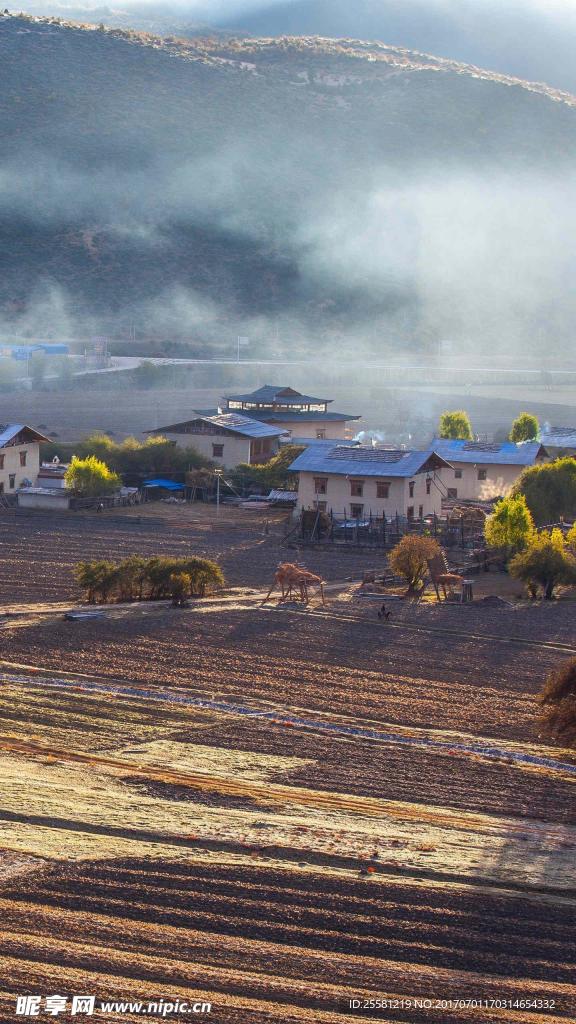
[[297, 186]]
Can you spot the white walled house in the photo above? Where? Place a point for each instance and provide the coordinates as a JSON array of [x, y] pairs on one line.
[[370, 480], [19, 457], [228, 438], [481, 471]]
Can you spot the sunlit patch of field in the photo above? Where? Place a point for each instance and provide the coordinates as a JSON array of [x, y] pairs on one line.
[[161, 847]]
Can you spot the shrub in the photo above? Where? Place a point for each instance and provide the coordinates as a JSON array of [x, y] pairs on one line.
[[181, 585], [91, 477], [558, 702], [550, 490], [510, 527], [136, 578], [524, 428], [130, 578], [410, 558], [544, 563], [156, 456], [97, 579], [456, 425], [268, 475]]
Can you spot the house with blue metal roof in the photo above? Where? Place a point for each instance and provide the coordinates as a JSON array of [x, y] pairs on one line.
[[370, 480], [559, 441], [226, 438], [484, 470], [300, 415]]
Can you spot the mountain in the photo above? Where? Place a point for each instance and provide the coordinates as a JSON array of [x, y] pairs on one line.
[[341, 194], [530, 39]]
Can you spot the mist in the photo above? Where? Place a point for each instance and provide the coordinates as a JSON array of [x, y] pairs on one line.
[[405, 215], [485, 261]]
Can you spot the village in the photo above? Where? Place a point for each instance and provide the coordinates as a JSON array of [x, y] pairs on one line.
[[288, 512], [293, 711]]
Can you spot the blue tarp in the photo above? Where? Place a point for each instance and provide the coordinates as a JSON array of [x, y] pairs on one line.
[[168, 485]]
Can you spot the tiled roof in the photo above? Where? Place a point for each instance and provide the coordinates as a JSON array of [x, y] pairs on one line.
[[560, 437], [10, 431], [232, 421], [281, 416], [505, 453], [279, 495], [271, 393], [364, 460], [321, 442]]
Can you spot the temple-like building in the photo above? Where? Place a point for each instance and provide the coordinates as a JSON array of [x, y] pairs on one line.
[[301, 416]]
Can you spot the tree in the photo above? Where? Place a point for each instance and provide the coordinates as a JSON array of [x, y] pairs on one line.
[[97, 579], [545, 562], [90, 477], [456, 425], [136, 578], [524, 428], [510, 527], [148, 374], [410, 558], [550, 490], [180, 584], [558, 702], [37, 367], [204, 575], [267, 475], [571, 539], [156, 456], [131, 576]]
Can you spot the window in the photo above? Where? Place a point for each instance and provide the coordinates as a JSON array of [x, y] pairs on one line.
[[356, 511], [2, 461], [428, 485], [420, 511], [1, 487], [12, 480], [452, 492], [457, 474], [382, 489], [320, 435], [356, 488], [23, 458], [320, 484], [482, 474], [410, 512], [411, 489], [217, 451], [320, 506]]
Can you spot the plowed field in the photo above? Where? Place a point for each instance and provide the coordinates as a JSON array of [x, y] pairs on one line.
[[286, 814]]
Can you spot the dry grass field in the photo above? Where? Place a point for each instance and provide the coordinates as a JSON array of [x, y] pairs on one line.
[[278, 810]]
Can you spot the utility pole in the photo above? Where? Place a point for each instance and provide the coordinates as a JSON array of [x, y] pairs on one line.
[[241, 343], [218, 474]]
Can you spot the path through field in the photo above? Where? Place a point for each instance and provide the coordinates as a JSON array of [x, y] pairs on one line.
[[289, 814], [190, 843]]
